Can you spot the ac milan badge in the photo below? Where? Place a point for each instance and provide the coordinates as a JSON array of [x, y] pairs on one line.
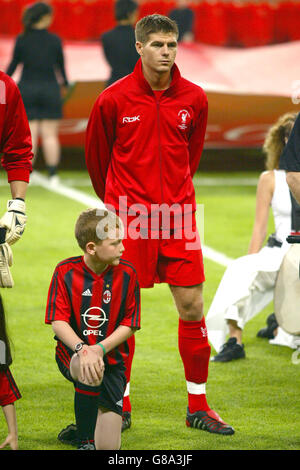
[[107, 296]]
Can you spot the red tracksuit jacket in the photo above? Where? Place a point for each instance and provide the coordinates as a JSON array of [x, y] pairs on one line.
[[15, 136], [144, 147]]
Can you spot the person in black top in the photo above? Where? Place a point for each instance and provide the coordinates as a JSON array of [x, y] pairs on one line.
[[119, 43], [41, 55], [184, 17], [290, 160]]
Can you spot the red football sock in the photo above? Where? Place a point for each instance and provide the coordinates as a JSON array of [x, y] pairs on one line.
[[195, 352], [126, 404], [197, 402]]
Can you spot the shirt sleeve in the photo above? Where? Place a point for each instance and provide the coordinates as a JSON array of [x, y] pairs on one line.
[[99, 142], [16, 58], [290, 157], [132, 315], [196, 141], [15, 143], [58, 303], [108, 51], [61, 62]]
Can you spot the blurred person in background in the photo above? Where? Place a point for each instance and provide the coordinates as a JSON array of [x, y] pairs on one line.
[[184, 17], [119, 43], [247, 286], [290, 160], [41, 55]]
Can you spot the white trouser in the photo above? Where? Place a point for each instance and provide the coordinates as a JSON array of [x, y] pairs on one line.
[[245, 290]]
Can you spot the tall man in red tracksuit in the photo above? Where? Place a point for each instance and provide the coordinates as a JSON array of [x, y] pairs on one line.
[[143, 145]]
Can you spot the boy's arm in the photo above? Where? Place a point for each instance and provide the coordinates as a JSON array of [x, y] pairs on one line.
[[121, 334], [90, 361], [264, 194], [11, 420], [66, 334]]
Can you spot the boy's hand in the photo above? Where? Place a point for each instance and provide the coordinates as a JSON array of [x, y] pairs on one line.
[[91, 365]]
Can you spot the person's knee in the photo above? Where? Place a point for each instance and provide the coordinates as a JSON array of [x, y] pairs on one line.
[[191, 309], [75, 373]]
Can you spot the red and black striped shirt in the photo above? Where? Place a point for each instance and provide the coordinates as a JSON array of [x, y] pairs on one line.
[[9, 391], [95, 304]]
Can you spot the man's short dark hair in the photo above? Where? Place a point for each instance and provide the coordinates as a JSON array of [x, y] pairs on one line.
[[154, 24], [124, 8]]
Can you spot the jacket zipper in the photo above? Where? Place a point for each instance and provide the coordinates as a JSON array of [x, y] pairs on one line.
[[159, 149]]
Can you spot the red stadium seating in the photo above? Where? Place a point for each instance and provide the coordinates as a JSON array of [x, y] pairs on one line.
[[211, 25], [217, 22]]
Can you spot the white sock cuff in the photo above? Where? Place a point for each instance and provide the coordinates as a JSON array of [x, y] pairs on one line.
[[127, 390], [196, 389]]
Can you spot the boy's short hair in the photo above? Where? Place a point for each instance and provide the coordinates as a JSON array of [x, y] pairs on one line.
[[124, 8], [154, 24], [94, 225]]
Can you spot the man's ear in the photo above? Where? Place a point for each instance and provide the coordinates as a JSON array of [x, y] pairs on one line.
[[139, 47]]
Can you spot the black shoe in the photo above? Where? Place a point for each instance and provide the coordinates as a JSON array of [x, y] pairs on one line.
[[68, 435], [126, 420], [86, 445], [208, 421], [268, 332], [230, 351]]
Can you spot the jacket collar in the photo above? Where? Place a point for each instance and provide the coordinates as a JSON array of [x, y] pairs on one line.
[[139, 76]]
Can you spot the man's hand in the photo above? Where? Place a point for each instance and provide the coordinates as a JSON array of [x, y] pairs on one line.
[[91, 365], [6, 259], [14, 221]]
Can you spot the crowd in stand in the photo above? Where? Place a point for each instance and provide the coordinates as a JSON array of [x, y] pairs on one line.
[[217, 22]]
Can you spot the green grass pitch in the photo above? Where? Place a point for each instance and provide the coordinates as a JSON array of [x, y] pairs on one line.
[[258, 396]]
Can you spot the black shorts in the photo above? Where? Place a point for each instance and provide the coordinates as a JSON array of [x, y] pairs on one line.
[[112, 386], [41, 100]]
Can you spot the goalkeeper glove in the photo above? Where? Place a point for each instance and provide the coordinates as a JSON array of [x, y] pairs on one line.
[[14, 221], [6, 259]]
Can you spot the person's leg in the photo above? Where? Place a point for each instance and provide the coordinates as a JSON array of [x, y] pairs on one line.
[[50, 144], [235, 331], [108, 430], [140, 252], [34, 129], [257, 296], [86, 407], [195, 353], [192, 342]]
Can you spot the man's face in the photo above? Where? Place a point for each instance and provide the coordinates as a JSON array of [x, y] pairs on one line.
[[159, 52]]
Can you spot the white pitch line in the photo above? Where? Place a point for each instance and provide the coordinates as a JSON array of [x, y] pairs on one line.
[[207, 181], [71, 193], [198, 181], [216, 256], [91, 201]]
